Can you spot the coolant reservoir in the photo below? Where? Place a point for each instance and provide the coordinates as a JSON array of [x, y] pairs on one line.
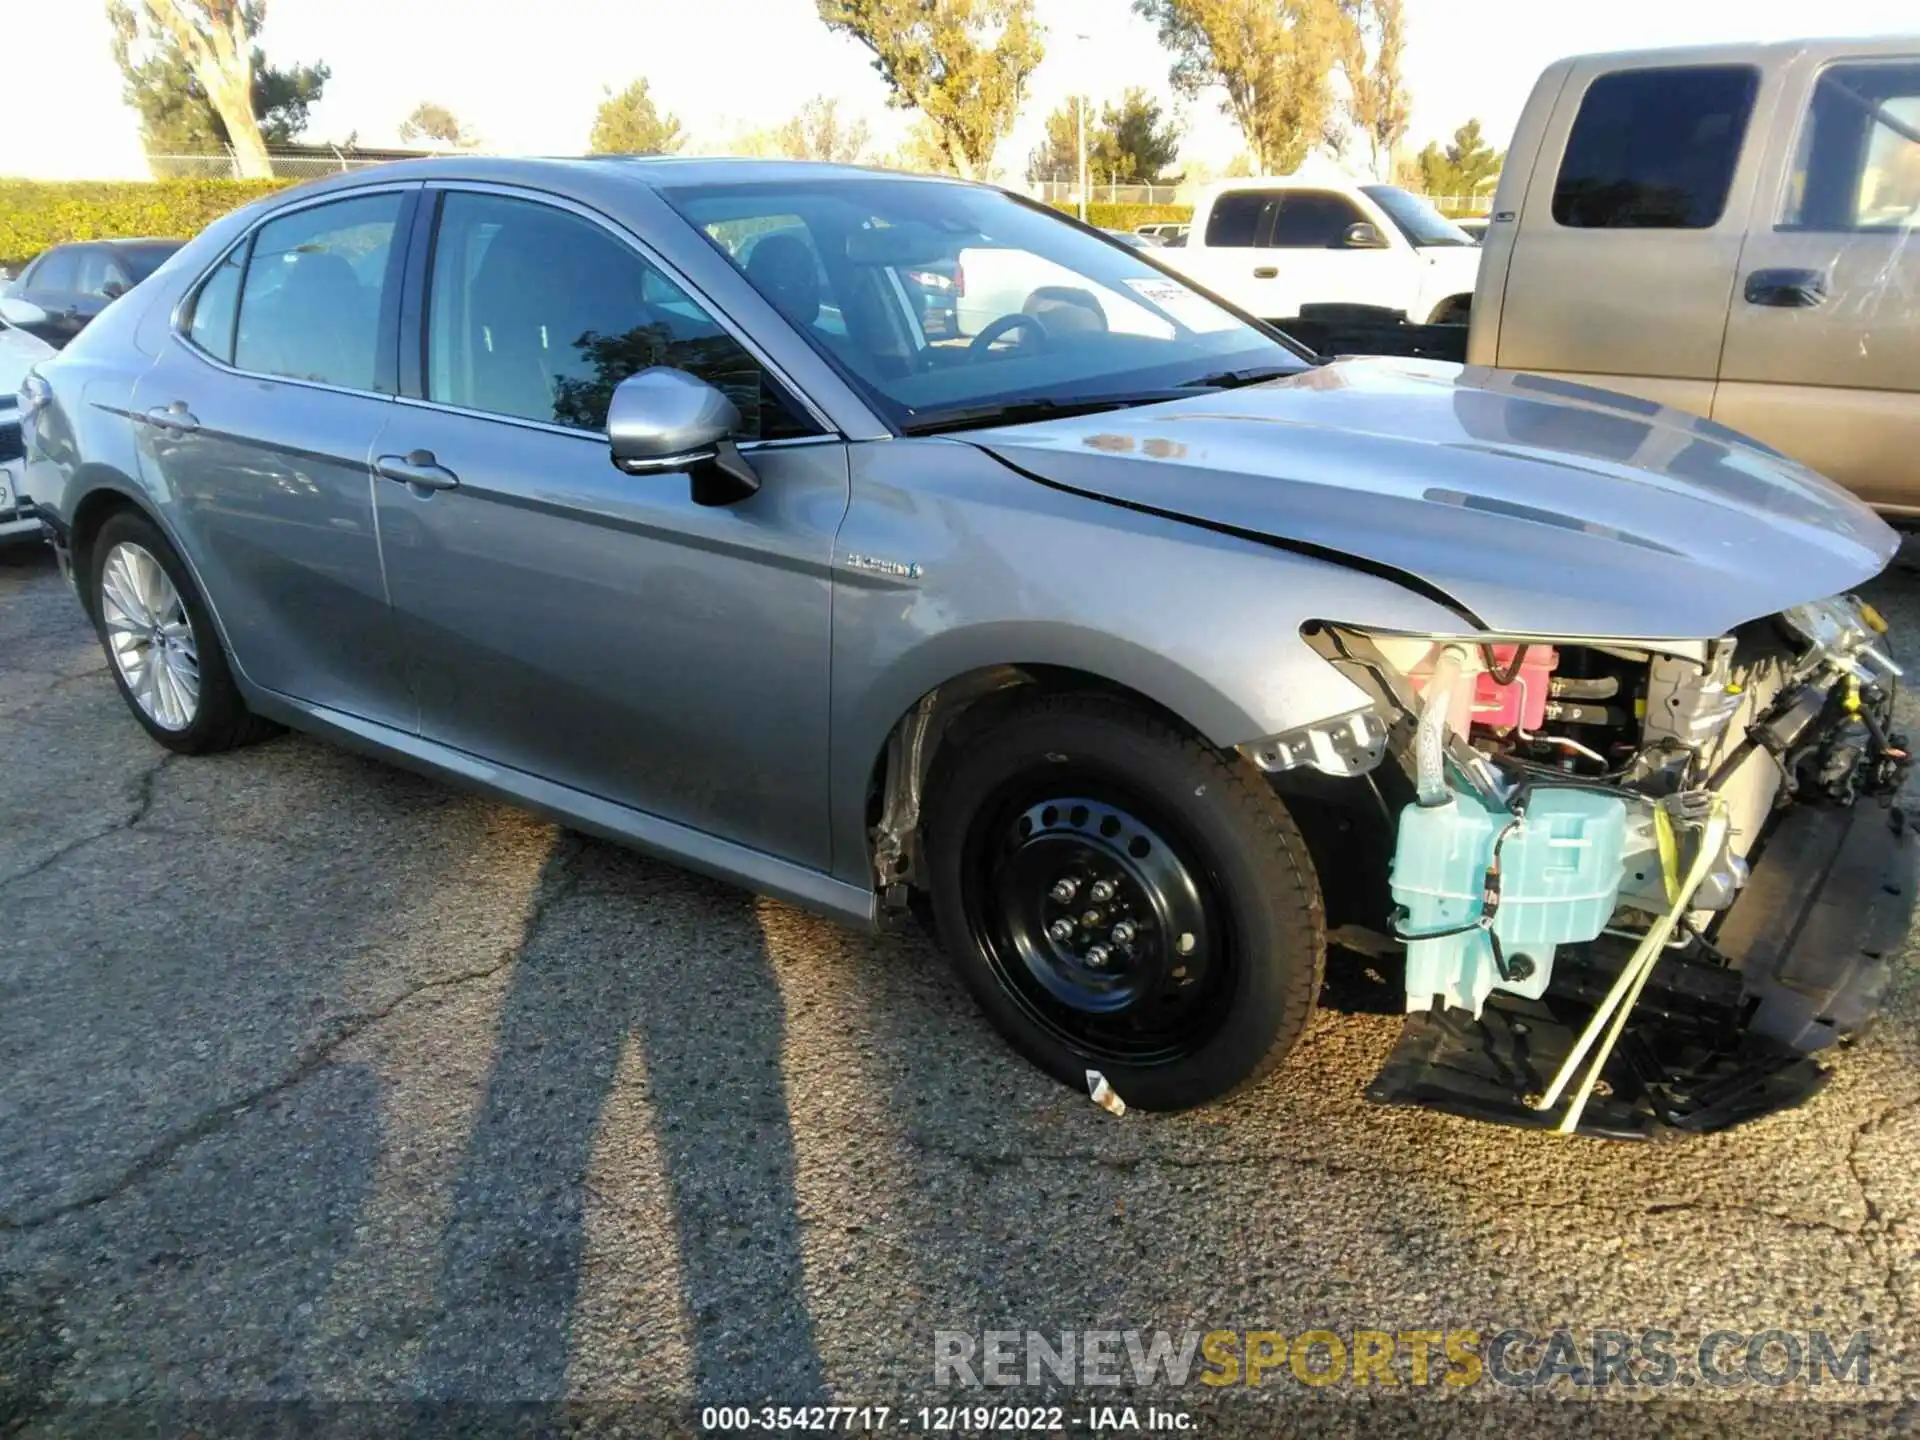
[[1520, 702], [1560, 872]]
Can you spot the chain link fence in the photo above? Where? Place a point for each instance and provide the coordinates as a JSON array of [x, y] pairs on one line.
[[304, 164], [1068, 192]]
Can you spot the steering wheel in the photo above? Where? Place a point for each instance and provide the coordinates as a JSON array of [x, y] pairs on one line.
[[994, 329]]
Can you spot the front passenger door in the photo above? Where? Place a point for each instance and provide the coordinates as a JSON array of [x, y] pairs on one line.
[[590, 627]]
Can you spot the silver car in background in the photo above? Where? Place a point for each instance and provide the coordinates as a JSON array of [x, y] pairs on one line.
[[1119, 637]]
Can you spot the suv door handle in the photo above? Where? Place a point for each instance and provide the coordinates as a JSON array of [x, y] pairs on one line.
[[417, 468], [1786, 289], [174, 417], [1266, 272]]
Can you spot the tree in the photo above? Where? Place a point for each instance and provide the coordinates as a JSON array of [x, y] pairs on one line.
[[1274, 58], [431, 121], [165, 50], [1468, 166], [628, 124], [818, 133], [1377, 106], [1135, 146], [963, 64], [921, 151], [1127, 143]]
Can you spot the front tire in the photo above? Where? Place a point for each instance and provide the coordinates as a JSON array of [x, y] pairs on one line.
[[161, 643], [1118, 896]]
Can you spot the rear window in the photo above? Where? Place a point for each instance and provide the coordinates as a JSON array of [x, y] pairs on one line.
[[1655, 149]]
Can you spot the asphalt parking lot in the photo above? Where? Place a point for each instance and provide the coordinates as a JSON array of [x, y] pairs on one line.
[[321, 1081]]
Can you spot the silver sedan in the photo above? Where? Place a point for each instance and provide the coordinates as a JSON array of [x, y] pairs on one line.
[[1121, 638]]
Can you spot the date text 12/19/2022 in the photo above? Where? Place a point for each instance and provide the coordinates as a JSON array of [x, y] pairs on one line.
[[943, 1419]]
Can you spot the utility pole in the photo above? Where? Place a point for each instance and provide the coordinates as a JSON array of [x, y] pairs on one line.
[[1080, 104]]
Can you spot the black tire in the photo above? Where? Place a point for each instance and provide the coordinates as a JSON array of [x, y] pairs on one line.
[[1153, 796], [220, 720]]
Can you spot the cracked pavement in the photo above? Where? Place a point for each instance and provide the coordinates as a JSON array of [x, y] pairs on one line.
[[319, 1080]]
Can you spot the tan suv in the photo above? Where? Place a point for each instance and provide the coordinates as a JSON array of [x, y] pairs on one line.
[[1730, 230]]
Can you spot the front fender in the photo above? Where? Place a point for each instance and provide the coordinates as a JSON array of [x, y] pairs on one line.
[[949, 562]]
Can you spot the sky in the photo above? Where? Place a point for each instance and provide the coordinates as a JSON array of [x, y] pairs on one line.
[[526, 75]]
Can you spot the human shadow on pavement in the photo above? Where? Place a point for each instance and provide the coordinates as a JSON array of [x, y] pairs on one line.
[[708, 1020]]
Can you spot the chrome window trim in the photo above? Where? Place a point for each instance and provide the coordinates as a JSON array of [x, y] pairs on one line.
[[648, 255], [596, 438], [177, 318]]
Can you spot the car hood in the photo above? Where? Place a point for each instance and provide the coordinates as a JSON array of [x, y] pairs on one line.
[[1532, 505]]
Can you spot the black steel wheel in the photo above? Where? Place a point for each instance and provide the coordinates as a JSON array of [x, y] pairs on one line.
[[1123, 898], [1096, 921]]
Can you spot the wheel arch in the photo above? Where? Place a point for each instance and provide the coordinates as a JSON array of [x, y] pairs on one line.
[[104, 493], [887, 765]]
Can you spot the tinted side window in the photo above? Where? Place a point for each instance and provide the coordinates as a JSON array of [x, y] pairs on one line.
[[537, 313], [96, 269], [310, 305], [1655, 149], [1312, 219], [211, 327], [1858, 162], [1235, 220], [55, 273]]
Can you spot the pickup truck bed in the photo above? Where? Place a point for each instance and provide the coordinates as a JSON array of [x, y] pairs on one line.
[[1333, 330]]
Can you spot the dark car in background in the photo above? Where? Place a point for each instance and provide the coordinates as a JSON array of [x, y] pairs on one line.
[[73, 283]]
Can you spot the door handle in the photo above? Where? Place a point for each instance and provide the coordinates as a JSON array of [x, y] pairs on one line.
[[175, 417], [1266, 272], [417, 468], [1786, 289]]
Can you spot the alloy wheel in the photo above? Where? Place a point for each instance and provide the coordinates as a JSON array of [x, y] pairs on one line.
[[150, 636]]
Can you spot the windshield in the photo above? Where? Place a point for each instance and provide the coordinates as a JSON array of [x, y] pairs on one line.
[[943, 300], [1416, 219]]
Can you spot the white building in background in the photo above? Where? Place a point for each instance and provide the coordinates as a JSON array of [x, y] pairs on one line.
[[65, 120]]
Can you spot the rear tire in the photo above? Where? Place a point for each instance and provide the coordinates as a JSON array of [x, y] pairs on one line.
[[160, 640], [1186, 955]]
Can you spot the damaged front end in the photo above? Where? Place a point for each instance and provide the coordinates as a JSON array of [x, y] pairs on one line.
[[1638, 886]]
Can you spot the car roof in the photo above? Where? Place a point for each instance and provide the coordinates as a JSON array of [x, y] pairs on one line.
[[565, 171]]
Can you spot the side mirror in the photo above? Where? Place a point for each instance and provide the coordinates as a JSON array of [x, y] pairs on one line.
[[21, 314], [662, 419], [1363, 236]]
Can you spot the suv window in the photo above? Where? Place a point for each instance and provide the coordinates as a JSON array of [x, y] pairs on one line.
[[1311, 219], [1655, 149], [1235, 221], [537, 313], [54, 274], [1857, 166], [96, 271], [311, 300]]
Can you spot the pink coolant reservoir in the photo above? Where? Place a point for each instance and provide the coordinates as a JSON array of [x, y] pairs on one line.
[[1522, 701]]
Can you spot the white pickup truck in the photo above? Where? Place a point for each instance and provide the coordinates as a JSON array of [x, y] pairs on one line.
[[1273, 245]]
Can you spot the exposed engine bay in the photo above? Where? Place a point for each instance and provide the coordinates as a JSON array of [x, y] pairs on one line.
[[1637, 885]]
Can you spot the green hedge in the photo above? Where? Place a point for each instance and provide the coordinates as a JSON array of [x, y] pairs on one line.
[[1125, 215], [35, 214]]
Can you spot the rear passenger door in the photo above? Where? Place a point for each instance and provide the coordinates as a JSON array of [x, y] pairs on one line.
[[256, 425], [1623, 260], [1823, 345], [574, 622]]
